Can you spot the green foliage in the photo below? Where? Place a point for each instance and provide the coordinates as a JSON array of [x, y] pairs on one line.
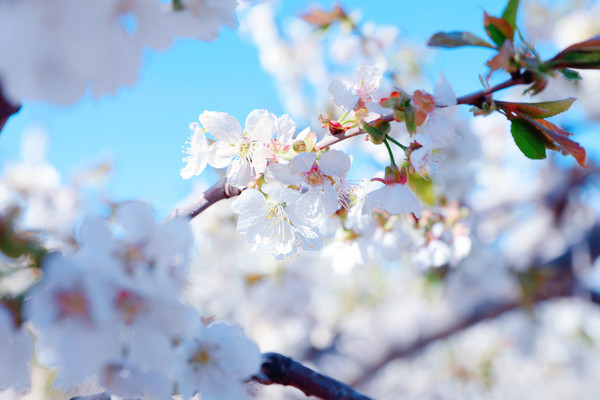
[[377, 130], [570, 74], [528, 139], [510, 13]]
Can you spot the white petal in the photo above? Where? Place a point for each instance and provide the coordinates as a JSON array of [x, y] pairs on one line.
[[136, 219], [285, 128], [399, 199], [197, 155], [281, 194], [250, 201], [259, 158], [240, 173], [311, 208], [303, 162], [280, 173], [373, 201], [335, 163], [443, 94], [343, 94], [369, 81], [260, 125], [220, 154], [440, 130], [221, 125]]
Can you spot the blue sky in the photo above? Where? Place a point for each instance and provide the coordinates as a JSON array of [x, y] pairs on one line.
[[142, 129]]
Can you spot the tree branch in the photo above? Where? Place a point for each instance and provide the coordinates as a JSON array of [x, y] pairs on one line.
[[221, 190], [6, 109], [282, 370], [474, 99], [477, 98]]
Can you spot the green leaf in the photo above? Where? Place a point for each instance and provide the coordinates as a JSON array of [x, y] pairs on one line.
[[177, 6], [376, 135], [556, 138], [570, 74], [528, 139], [411, 124], [544, 109], [498, 29], [457, 39], [510, 13]]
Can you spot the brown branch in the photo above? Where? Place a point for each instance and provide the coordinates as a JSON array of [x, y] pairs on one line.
[[561, 284], [221, 190], [282, 370], [475, 99], [6, 109]]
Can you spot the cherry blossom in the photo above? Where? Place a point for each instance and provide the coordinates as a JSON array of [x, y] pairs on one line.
[[316, 179], [71, 45], [348, 95], [16, 347], [215, 363], [244, 153], [273, 223], [394, 197], [197, 157]]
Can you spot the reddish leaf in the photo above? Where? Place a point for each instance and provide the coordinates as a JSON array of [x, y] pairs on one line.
[[582, 55], [498, 29], [557, 138], [321, 18], [537, 110]]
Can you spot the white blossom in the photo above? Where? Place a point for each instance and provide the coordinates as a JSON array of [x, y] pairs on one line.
[[197, 156], [16, 347], [365, 89], [215, 363], [316, 179], [273, 223]]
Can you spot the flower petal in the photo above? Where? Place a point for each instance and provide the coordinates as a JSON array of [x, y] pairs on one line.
[[221, 125], [335, 163]]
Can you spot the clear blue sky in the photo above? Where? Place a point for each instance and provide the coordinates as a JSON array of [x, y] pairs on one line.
[[143, 128]]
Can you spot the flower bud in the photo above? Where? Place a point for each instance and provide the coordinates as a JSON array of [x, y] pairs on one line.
[[299, 146]]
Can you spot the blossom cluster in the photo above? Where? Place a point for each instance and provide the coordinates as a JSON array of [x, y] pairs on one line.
[[112, 312], [68, 46], [291, 185]]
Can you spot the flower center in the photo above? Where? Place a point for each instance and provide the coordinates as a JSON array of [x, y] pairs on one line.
[[245, 149], [130, 305], [72, 303], [314, 177]]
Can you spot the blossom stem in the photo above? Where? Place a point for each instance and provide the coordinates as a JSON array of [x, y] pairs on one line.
[[403, 147], [343, 118], [389, 149]]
